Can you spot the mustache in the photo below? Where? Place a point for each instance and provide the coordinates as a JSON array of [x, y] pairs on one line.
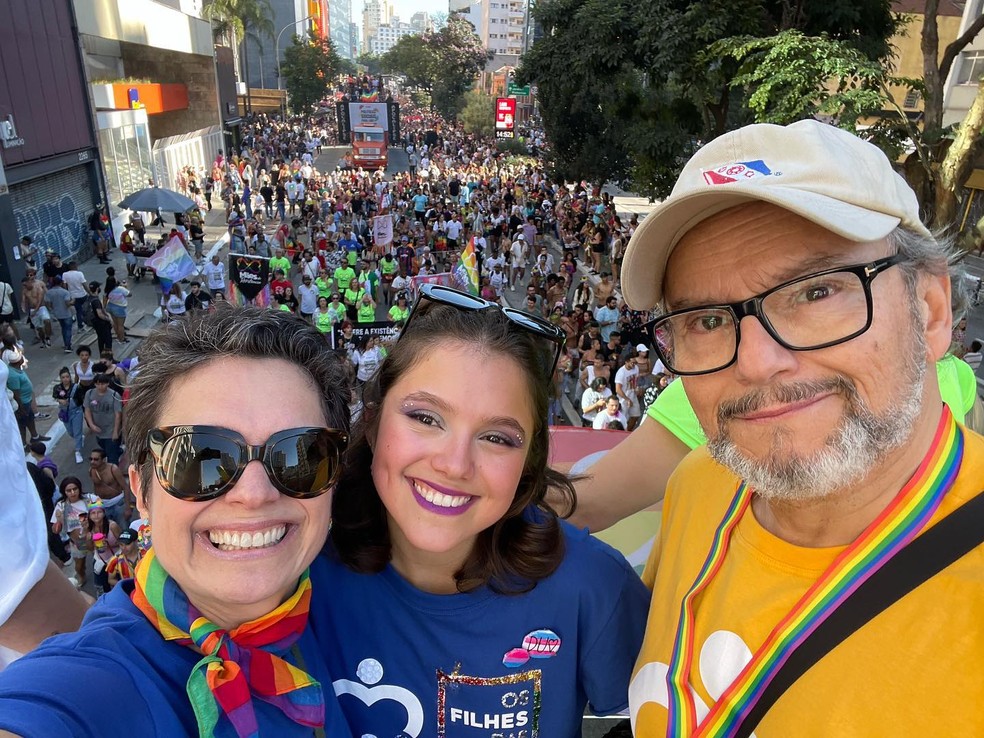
[[782, 394]]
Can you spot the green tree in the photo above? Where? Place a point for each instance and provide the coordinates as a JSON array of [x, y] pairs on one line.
[[791, 76], [308, 69], [444, 63], [414, 58], [478, 114], [628, 87], [372, 63], [460, 58], [237, 20]]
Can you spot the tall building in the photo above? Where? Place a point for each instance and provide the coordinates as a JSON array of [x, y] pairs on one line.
[[339, 24], [290, 18], [375, 13], [472, 11], [421, 22], [388, 34], [504, 22]]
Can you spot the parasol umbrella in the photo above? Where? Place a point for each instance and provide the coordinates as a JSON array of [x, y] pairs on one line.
[[152, 199]]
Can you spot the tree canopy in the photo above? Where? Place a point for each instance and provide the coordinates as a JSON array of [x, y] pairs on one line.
[[308, 69], [631, 88], [443, 63], [478, 114], [792, 76]]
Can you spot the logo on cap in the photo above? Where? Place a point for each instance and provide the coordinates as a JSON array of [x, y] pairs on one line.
[[739, 171]]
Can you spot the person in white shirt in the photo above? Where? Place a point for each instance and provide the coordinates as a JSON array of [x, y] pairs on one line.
[[498, 279], [36, 599], [310, 267], [75, 282], [454, 232], [215, 275], [626, 383], [610, 412], [307, 293], [398, 286], [520, 253]]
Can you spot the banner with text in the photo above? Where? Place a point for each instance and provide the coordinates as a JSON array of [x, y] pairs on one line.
[[250, 274], [384, 329], [368, 114]]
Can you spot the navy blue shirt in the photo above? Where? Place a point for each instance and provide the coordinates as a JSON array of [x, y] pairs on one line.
[[118, 676]]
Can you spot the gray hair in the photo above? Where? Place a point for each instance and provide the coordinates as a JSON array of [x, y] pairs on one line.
[[935, 255], [229, 331]]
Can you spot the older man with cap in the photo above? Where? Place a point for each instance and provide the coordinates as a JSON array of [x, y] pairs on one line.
[[818, 568]]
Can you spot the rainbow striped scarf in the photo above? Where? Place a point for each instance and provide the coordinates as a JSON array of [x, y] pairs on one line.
[[239, 664], [898, 523]]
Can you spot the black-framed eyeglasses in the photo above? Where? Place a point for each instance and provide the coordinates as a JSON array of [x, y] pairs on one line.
[[814, 311], [202, 462], [553, 337]]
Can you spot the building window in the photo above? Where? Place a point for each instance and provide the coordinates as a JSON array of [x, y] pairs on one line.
[[911, 99], [971, 67]]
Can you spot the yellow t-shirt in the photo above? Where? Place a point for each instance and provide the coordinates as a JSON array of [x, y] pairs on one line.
[[914, 670]]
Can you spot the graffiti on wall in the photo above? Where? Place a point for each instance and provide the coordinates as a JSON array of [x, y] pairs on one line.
[[59, 226]]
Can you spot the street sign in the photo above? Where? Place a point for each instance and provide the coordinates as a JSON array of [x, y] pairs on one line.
[[513, 89]]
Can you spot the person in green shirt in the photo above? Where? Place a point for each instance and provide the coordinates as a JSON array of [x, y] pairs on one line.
[[343, 277], [387, 269], [323, 285], [352, 296], [279, 262], [366, 309], [324, 316], [337, 308], [368, 278], [400, 311]]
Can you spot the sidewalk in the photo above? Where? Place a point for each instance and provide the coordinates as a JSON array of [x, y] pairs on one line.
[[44, 364]]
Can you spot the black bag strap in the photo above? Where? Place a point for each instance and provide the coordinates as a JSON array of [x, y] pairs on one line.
[[954, 536]]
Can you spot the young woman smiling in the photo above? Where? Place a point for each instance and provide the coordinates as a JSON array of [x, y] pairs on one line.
[[460, 600]]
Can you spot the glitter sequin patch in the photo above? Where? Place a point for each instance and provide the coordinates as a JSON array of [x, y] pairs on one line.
[[522, 698]]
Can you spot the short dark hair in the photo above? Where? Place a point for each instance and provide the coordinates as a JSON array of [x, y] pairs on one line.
[[174, 349], [519, 549]]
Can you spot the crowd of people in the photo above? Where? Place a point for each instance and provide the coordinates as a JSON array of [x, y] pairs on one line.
[[403, 532], [531, 234]]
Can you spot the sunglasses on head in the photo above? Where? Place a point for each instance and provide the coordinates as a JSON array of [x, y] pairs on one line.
[[202, 462], [553, 337]]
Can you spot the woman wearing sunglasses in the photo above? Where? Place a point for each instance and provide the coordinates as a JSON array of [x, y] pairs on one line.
[[210, 638], [461, 604]]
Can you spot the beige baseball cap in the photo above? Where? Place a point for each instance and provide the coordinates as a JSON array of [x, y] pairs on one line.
[[824, 174]]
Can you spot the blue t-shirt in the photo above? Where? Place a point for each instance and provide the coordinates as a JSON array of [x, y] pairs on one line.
[[419, 203], [117, 676], [483, 664]]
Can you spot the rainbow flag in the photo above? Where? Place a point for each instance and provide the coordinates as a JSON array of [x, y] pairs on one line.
[[466, 272], [370, 96], [172, 263]]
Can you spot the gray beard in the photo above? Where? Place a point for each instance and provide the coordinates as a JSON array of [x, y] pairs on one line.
[[859, 444]]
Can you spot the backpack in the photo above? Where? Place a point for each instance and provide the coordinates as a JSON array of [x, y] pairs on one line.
[[89, 313]]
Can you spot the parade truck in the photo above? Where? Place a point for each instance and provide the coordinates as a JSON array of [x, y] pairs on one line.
[[369, 127], [369, 145]]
